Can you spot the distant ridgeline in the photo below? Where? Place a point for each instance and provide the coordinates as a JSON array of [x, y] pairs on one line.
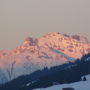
[[65, 73]]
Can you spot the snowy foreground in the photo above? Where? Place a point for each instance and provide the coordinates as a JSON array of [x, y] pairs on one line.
[[82, 85]]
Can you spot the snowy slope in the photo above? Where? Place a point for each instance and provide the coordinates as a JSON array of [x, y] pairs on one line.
[[82, 85], [63, 54]]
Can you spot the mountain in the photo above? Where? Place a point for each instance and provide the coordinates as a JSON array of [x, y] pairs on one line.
[[50, 50], [57, 75]]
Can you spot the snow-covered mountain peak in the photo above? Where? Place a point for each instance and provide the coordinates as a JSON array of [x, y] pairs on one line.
[[74, 46], [49, 50]]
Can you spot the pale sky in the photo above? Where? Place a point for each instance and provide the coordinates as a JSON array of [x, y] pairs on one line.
[[22, 18]]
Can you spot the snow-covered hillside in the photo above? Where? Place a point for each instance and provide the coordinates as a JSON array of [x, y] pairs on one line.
[[82, 85]]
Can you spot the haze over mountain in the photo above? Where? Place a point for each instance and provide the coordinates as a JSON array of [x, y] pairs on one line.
[[49, 50]]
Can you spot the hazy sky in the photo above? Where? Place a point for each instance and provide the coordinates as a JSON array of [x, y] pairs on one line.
[[22, 18]]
